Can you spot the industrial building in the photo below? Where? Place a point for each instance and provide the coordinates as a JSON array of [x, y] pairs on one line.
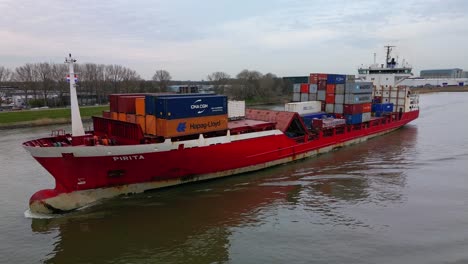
[[442, 73]]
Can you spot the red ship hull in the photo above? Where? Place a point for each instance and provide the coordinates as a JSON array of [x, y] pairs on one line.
[[86, 174]]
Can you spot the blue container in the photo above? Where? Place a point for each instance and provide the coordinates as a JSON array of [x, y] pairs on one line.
[[336, 79], [150, 100], [190, 106], [385, 108], [150, 104], [353, 119]]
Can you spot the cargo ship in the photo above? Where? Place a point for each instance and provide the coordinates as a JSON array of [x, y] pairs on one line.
[[150, 141]]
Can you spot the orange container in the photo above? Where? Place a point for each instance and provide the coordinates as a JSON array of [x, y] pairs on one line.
[[140, 119], [331, 88], [330, 98], [366, 107], [122, 116], [140, 106], [115, 115], [131, 118], [150, 124], [190, 126]]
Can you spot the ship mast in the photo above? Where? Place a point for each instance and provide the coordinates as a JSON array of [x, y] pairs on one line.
[[77, 124], [388, 60]]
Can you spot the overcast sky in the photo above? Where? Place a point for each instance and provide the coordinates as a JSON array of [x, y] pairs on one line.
[[192, 39]]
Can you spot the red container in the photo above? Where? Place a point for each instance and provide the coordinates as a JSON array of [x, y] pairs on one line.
[[366, 107], [314, 78], [106, 114], [331, 88], [304, 88], [352, 109], [113, 101], [126, 104], [322, 85], [330, 98]]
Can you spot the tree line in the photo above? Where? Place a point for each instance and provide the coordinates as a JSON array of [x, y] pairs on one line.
[[45, 84]]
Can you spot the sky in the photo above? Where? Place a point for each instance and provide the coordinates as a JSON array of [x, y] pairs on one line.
[[192, 39]]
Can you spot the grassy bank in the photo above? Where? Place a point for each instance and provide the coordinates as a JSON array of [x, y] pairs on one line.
[[45, 116], [441, 89]]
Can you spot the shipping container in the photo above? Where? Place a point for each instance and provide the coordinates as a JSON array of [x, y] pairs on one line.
[[330, 88], [304, 108], [352, 109], [150, 124], [358, 98], [312, 96], [140, 106], [330, 108], [353, 119], [339, 98], [366, 117], [377, 100], [150, 100], [318, 115], [312, 88], [236, 109], [189, 126], [314, 78], [330, 98], [296, 97], [327, 123], [123, 117], [140, 119], [190, 106], [388, 107], [296, 88], [131, 118], [322, 85], [126, 104], [106, 114], [340, 89], [367, 107], [304, 88], [358, 87], [114, 115], [339, 108], [350, 78], [321, 94], [113, 102], [304, 97], [336, 78]]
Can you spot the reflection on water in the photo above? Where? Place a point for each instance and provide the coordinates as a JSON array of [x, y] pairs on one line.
[[198, 223]]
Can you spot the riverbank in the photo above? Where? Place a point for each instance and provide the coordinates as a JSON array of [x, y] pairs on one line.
[[45, 117], [441, 89]]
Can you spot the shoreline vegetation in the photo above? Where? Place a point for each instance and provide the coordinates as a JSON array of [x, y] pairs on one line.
[[46, 117]]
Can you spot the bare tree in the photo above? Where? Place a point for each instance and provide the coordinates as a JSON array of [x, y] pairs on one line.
[[219, 81], [5, 74], [162, 77], [44, 72], [26, 76]]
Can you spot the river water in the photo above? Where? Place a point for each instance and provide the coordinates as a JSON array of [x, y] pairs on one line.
[[398, 198]]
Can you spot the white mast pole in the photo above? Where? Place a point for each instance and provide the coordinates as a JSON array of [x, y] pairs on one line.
[[77, 124]]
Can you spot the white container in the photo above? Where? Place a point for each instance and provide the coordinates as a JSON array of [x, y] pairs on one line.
[[321, 95], [340, 89], [304, 97], [366, 117], [236, 109], [338, 108], [296, 97], [303, 108], [312, 96], [339, 98], [330, 108], [312, 88], [297, 88]]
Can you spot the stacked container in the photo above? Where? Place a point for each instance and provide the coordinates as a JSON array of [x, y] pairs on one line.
[[398, 96], [357, 101]]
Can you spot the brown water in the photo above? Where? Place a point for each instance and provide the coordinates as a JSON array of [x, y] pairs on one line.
[[399, 198]]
